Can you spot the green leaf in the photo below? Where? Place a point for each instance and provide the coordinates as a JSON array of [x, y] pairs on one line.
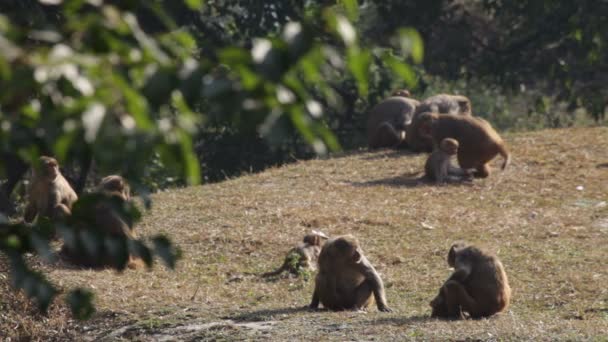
[[411, 43], [358, 62], [401, 68], [194, 4], [352, 9]]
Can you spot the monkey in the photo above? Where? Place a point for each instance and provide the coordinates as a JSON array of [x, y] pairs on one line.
[[49, 193], [302, 257], [388, 120], [478, 286], [439, 167], [114, 194], [478, 141], [115, 183], [446, 104], [346, 280], [442, 104]]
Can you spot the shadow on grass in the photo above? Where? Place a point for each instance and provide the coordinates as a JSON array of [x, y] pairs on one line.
[[407, 181], [388, 153], [265, 314], [399, 321], [602, 166]]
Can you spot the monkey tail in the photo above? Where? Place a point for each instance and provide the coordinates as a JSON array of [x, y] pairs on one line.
[[505, 155], [275, 272]]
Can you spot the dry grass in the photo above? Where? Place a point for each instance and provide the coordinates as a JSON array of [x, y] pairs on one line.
[[546, 217]]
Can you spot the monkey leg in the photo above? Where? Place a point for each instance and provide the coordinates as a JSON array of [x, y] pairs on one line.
[[482, 171], [135, 262], [458, 300], [387, 136], [363, 296]]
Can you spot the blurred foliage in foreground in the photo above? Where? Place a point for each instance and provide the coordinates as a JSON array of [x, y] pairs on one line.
[[124, 85]]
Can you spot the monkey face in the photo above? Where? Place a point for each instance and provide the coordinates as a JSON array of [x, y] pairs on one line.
[[49, 167], [449, 146], [116, 184], [455, 249]]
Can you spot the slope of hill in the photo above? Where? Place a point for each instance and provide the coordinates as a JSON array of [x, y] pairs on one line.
[[546, 217]]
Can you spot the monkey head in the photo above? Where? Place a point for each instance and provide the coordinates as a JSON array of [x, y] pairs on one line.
[[347, 248], [425, 123], [47, 167], [465, 106], [402, 93], [115, 184], [456, 248], [449, 146]]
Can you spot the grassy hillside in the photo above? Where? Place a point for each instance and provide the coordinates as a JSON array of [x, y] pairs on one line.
[[546, 217]]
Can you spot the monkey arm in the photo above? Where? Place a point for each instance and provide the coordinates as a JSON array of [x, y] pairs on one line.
[[314, 303], [461, 272], [371, 275]]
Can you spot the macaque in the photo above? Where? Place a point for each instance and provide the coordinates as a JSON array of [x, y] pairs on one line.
[[108, 221], [302, 257], [478, 286], [439, 168], [115, 184], [442, 104], [346, 279], [478, 141], [446, 104], [388, 120], [49, 194]]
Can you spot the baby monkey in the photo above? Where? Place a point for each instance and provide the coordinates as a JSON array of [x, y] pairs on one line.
[[439, 168], [302, 257]]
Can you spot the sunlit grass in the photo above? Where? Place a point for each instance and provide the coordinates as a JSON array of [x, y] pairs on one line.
[[545, 217]]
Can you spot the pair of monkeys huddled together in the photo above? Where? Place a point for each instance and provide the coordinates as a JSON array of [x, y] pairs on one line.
[[50, 195], [442, 124], [346, 280]]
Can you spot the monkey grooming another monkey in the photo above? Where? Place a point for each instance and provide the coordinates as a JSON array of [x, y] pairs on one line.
[[478, 286], [112, 224], [439, 168], [302, 257], [387, 120], [49, 193], [346, 279], [478, 141], [442, 104]]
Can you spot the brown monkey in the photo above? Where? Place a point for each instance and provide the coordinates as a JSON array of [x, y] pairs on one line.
[[439, 166], [49, 193], [346, 279], [115, 183], [108, 220], [478, 286], [446, 104], [479, 142], [302, 257], [387, 121], [442, 104]]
